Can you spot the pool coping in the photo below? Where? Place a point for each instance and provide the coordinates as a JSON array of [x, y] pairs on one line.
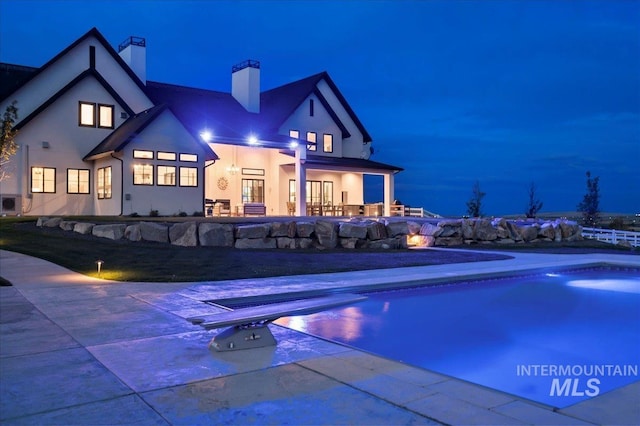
[[429, 396]]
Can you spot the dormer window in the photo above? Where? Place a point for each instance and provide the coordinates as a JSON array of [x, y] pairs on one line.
[[91, 114]]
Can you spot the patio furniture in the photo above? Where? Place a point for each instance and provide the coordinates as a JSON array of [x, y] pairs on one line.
[[248, 327], [254, 209], [291, 208]]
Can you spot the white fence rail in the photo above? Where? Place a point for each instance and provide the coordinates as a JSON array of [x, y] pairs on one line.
[[612, 236]]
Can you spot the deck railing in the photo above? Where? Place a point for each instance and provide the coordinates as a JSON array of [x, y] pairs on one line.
[[612, 236]]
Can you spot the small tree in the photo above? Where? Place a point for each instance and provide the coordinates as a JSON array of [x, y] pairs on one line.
[[589, 207], [534, 205], [8, 146], [474, 205]]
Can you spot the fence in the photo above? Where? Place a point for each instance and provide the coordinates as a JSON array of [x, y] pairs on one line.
[[612, 236]]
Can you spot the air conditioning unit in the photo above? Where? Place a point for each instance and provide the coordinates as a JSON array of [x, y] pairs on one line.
[[10, 204]]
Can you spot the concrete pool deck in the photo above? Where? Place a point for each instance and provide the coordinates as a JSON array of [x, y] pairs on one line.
[[79, 350]]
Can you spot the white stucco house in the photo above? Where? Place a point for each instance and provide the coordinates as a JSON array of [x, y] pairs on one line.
[[96, 138]]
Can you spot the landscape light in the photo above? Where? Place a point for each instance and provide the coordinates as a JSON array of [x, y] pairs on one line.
[[99, 265]]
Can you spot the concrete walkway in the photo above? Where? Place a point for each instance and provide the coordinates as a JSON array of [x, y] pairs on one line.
[[79, 350]]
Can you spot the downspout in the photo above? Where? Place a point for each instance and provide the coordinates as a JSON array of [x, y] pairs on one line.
[[204, 183], [121, 183]]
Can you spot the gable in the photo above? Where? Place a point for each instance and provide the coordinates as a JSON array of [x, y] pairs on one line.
[[91, 51]]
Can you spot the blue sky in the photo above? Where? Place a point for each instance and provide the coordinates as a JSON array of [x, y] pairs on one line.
[[501, 92]]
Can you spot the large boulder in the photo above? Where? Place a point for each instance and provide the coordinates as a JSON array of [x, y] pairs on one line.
[[260, 230], [397, 228], [483, 230], [305, 229], [283, 229], [256, 243], [528, 232], [152, 231], [376, 231], [41, 220], [216, 234], [184, 234], [113, 231], [54, 222], [430, 230], [546, 231], [67, 225], [327, 233], [285, 243], [414, 227], [450, 228], [352, 230], [83, 228]]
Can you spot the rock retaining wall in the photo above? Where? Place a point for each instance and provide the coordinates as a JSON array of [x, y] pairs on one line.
[[355, 233]]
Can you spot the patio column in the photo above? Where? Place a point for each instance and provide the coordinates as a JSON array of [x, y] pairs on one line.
[[389, 190], [301, 180]]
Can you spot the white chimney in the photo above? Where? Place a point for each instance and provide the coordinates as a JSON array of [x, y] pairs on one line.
[[245, 84], [134, 52]]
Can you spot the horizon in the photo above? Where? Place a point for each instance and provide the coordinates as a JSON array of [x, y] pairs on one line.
[[504, 93]]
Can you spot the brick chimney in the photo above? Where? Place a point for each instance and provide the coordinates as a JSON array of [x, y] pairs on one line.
[[245, 84], [134, 52]]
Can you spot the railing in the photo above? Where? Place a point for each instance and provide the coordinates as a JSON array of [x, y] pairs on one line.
[[612, 236]]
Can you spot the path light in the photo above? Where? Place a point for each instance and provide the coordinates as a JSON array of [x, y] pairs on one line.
[[99, 265]]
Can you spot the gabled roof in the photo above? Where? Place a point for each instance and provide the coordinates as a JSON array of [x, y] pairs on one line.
[[87, 73], [92, 32], [124, 134], [13, 76]]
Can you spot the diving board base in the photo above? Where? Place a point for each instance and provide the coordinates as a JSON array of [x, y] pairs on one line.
[[239, 337]]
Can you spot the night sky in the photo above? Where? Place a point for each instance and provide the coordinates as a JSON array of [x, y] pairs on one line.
[[505, 93]]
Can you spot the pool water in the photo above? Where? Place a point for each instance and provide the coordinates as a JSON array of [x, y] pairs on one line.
[[554, 338]]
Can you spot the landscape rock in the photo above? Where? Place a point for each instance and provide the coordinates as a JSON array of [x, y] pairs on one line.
[[376, 231], [113, 231], [352, 230], [132, 232], [327, 233], [184, 234], [53, 222], [67, 225], [152, 231], [397, 228], [283, 229], [256, 231], [484, 231], [41, 220], [83, 228], [255, 243], [305, 229], [216, 234]]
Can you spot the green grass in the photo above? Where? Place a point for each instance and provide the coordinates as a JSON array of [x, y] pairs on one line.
[[157, 262]]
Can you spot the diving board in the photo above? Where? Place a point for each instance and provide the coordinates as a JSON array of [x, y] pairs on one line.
[[248, 327]]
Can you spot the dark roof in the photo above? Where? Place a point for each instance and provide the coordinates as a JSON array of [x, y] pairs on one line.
[[124, 134], [92, 32], [13, 76], [356, 164]]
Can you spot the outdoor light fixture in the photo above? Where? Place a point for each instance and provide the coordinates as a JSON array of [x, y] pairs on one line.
[[233, 169], [293, 144], [99, 265], [253, 140], [206, 135]]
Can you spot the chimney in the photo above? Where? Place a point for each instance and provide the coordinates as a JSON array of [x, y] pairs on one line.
[[245, 84], [133, 51]]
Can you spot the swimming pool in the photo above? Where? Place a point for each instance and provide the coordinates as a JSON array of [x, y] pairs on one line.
[[555, 338]]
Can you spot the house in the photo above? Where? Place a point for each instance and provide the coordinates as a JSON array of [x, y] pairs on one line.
[[96, 138]]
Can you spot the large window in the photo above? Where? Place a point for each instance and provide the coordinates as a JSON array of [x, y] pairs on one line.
[[43, 179], [327, 143], [166, 175], [91, 114], [314, 192], [252, 191], [312, 139], [143, 174], [77, 181], [188, 176], [327, 193], [104, 182]]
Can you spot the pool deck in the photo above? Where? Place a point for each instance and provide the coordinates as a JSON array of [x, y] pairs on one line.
[[80, 350]]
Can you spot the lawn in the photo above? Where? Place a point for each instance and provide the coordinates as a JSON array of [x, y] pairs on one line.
[[152, 262]]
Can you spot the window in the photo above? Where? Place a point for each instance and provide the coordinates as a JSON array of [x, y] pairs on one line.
[[87, 114], [314, 194], [327, 193], [167, 156], [188, 176], [311, 141], [192, 158], [292, 190], [328, 143], [105, 116], [147, 155], [43, 179], [77, 181], [252, 191], [166, 175], [311, 107], [88, 111], [143, 174], [104, 182], [294, 134]]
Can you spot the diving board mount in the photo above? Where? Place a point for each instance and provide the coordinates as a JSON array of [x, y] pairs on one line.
[[248, 327]]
